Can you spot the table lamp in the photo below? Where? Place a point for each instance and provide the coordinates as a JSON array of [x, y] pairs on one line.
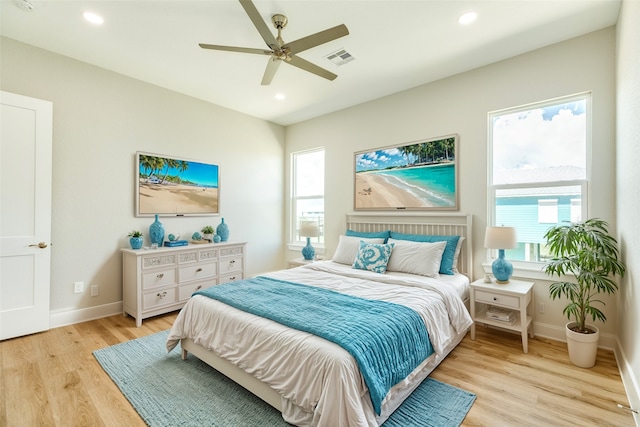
[[500, 238], [309, 230]]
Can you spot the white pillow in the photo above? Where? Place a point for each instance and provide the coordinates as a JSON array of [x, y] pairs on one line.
[[421, 258], [456, 255], [348, 247]]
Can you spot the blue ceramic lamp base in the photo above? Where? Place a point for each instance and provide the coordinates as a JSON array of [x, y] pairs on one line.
[[501, 268], [308, 252]]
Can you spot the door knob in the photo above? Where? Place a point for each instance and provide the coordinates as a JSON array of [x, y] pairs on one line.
[[41, 245]]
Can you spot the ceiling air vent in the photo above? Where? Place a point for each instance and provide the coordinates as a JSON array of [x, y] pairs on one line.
[[340, 57]]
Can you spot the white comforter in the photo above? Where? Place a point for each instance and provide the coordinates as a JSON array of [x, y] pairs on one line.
[[320, 382]]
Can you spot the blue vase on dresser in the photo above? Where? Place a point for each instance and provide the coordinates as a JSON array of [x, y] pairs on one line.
[[223, 231], [156, 232]]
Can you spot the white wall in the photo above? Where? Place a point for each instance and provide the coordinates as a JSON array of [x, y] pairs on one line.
[[628, 193], [100, 119], [460, 104]]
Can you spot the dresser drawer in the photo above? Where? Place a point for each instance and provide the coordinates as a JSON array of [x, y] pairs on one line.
[[230, 277], [154, 299], [152, 279], [208, 254], [492, 298], [230, 264], [157, 261], [197, 272], [185, 291]]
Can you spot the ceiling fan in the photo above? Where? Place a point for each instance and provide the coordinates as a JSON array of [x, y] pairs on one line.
[[281, 51]]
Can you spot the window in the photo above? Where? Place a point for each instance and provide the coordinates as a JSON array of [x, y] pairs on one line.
[[548, 211], [538, 169], [307, 205]]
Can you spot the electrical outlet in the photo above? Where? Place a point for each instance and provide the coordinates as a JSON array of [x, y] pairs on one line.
[[78, 287], [541, 308], [95, 290]]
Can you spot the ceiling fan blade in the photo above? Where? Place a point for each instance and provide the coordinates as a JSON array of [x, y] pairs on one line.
[[260, 25], [317, 39], [270, 71], [296, 61], [235, 49]]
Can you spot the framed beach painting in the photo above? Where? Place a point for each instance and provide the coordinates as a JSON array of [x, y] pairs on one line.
[[420, 175], [172, 186]]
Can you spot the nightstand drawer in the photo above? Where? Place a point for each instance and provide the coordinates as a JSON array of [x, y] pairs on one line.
[[492, 298]]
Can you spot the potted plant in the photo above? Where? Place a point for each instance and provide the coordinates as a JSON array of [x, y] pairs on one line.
[[586, 251], [207, 232], [135, 239]]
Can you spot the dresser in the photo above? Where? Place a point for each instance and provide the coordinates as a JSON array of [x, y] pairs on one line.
[[158, 281]]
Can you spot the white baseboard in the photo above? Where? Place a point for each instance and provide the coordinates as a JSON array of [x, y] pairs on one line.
[[557, 333], [66, 317], [629, 380]]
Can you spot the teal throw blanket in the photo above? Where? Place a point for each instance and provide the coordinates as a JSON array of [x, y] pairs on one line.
[[387, 340]]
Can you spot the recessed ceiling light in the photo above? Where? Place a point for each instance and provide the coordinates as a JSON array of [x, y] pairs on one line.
[[280, 96], [467, 18], [93, 18]]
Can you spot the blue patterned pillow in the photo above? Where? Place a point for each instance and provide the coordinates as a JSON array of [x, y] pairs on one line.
[[373, 257]]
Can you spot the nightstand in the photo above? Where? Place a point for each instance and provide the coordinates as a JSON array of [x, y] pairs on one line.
[[517, 296], [298, 262]]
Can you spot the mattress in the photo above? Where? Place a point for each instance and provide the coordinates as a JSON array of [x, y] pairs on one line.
[[319, 382]]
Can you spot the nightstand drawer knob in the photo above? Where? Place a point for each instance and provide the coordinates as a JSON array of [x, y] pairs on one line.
[[495, 298]]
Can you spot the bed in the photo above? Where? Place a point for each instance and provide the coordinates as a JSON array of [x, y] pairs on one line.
[[309, 378]]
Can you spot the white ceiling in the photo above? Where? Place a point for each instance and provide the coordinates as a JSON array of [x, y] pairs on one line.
[[397, 44]]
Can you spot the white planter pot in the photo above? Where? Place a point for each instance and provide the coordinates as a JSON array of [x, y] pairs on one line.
[[582, 347]]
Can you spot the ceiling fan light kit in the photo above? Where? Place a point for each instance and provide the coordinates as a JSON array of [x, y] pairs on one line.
[[281, 51]]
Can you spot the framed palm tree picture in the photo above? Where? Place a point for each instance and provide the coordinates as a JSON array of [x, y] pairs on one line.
[[172, 186], [420, 175]]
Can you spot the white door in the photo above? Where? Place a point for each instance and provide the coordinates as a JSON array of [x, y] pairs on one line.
[[25, 214]]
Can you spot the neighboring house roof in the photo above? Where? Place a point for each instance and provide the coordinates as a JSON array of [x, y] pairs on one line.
[[559, 173], [542, 175]]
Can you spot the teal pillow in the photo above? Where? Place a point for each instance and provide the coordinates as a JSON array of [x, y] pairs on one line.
[[446, 265], [370, 234], [373, 257]]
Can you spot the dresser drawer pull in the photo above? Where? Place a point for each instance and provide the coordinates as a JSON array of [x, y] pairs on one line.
[[198, 270], [160, 276], [233, 261], [232, 278], [162, 295]]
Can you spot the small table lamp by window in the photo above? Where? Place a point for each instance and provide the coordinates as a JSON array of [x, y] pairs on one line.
[[500, 238], [309, 230]]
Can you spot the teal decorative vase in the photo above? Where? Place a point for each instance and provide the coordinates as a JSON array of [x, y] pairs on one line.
[[135, 242], [223, 231], [217, 238], [308, 252], [156, 232]]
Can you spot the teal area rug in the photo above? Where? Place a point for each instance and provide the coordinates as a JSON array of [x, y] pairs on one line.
[[167, 391]]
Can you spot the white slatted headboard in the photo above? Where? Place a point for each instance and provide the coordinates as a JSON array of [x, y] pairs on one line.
[[438, 224]]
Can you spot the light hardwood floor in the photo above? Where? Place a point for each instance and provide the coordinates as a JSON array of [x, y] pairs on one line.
[[52, 379]]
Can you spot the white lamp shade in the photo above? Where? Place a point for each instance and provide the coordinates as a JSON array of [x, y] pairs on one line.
[[309, 229], [500, 238]]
